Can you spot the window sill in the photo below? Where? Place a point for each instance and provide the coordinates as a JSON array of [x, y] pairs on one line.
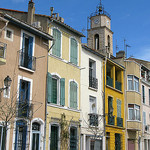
[[133, 91], [62, 107], [134, 121], [93, 89], [26, 69], [114, 89], [72, 64]]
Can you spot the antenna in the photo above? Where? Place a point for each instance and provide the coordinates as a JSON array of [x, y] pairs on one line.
[[116, 46], [125, 47]]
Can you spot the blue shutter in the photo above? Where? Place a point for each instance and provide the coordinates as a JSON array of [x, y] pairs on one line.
[[30, 51], [62, 91], [49, 87]]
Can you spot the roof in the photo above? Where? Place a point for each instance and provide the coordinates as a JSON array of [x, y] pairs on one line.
[[49, 17], [26, 26]]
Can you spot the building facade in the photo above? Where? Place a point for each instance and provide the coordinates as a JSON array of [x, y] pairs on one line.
[[92, 118], [23, 57]]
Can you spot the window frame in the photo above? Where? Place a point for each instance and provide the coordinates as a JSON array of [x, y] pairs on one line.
[[134, 81], [134, 110], [70, 50], [12, 33], [56, 28], [77, 94]]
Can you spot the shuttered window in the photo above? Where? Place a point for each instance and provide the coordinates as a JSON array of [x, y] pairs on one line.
[[55, 86], [73, 51], [73, 94], [54, 137], [118, 108], [57, 45]]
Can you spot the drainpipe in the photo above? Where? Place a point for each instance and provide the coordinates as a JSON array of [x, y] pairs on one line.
[[44, 144], [104, 99]]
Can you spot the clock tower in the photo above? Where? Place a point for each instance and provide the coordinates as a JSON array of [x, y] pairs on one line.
[[100, 36]]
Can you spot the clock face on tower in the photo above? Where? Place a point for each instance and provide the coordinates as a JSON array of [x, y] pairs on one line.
[[96, 21]]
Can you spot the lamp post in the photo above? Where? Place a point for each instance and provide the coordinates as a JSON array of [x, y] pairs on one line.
[[7, 83]]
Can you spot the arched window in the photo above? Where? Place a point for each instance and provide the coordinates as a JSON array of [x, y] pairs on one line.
[[73, 94], [108, 43], [96, 39], [73, 51], [35, 136], [57, 46]]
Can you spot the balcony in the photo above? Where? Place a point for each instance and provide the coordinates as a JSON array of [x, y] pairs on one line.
[[119, 122], [93, 82], [134, 125], [2, 53], [25, 110], [93, 119], [111, 120], [26, 61], [118, 85], [109, 81]]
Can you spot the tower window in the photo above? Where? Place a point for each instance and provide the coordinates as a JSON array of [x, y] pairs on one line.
[[108, 44], [96, 39]]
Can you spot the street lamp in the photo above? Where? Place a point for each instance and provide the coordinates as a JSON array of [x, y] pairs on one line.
[[7, 83]]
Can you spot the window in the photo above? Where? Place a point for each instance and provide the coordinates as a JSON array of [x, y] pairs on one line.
[[73, 138], [93, 108], [57, 45], [7, 92], [24, 99], [2, 50], [133, 83], [92, 74], [95, 144], [110, 105], [117, 141], [35, 136], [144, 118], [73, 51], [54, 137], [2, 137], [143, 93], [134, 112], [26, 53], [118, 108], [56, 89], [20, 135], [73, 94], [108, 43], [96, 38], [9, 34]]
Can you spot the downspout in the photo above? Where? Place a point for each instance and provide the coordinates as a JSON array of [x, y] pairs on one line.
[[104, 101], [44, 144]]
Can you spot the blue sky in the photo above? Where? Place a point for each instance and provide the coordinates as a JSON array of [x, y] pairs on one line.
[[130, 19]]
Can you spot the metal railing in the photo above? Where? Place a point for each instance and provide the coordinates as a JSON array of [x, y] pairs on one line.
[[111, 120], [109, 81], [93, 82], [24, 110], [119, 122], [2, 49], [118, 85], [27, 61], [93, 119]]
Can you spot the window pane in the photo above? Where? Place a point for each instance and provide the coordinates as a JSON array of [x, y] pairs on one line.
[[130, 85], [54, 91], [131, 114]]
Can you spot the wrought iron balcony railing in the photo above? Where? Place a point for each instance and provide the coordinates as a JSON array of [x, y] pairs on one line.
[[109, 81], [93, 82], [93, 119], [27, 61], [119, 122], [111, 120], [118, 85], [24, 110], [2, 50]]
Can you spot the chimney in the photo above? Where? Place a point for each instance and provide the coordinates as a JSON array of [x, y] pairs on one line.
[[31, 12], [120, 54], [51, 9]]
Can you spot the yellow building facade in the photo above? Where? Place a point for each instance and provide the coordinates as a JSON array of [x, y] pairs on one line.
[[114, 106], [63, 80]]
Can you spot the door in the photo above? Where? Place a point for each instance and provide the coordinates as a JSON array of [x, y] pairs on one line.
[[131, 145]]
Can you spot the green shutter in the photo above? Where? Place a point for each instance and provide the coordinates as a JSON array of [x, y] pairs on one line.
[[57, 46], [49, 87], [74, 51], [75, 95], [62, 91], [71, 94]]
